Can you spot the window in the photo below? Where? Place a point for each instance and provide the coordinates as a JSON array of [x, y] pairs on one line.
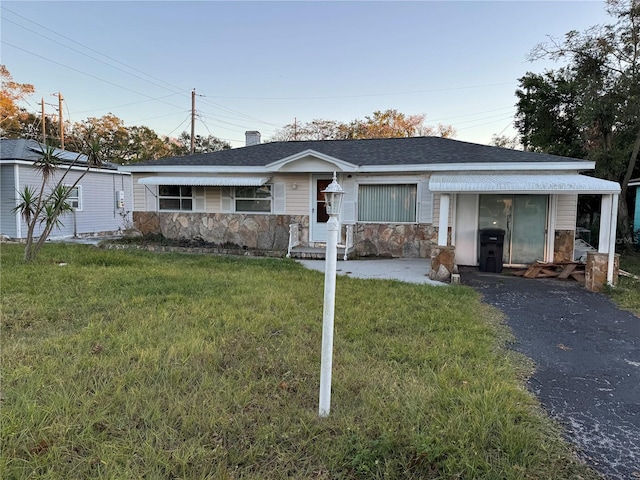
[[175, 197], [253, 199], [75, 198], [394, 203]]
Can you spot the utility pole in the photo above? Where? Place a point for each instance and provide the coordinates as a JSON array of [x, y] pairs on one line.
[[295, 128], [44, 123], [61, 121], [193, 122]]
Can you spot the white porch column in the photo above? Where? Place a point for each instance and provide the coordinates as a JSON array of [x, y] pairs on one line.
[[613, 225], [608, 227], [443, 223], [605, 222]]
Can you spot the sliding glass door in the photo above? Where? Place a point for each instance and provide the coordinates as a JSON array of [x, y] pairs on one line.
[[524, 220]]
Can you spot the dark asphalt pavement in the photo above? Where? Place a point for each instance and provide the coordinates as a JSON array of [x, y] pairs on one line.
[[587, 354]]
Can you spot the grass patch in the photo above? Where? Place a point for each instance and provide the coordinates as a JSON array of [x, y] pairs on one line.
[[627, 293], [127, 364]]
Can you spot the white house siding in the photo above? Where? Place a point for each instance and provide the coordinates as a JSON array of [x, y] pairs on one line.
[[297, 199], [436, 208], [99, 212], [8, 223], [566, 212]]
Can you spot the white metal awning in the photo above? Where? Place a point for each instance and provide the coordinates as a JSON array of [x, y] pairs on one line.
[[206, 181], [521, 183]]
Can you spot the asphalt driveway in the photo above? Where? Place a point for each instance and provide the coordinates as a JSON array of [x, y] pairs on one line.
[[587, 354]]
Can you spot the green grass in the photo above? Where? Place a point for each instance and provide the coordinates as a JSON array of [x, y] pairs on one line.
[[124, 364], [627, 292]]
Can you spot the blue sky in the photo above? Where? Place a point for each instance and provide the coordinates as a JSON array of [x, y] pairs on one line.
[[260, 65]]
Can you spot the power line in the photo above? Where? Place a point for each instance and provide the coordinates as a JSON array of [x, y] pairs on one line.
[[91, 49], [482, 124], [85, 73], [436, 90]]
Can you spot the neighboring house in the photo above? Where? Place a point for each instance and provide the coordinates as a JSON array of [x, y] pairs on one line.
[[102, 201], [404, 197]]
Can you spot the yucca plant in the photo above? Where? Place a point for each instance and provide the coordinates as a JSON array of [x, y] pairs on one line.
[[46, 205]]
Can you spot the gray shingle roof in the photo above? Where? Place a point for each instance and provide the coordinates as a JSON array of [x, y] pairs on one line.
[[30, 151], [383, 151]]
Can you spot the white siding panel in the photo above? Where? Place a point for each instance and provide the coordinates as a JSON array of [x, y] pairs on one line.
[[566, 212], [99, 212], [296, 193], [436, 208]]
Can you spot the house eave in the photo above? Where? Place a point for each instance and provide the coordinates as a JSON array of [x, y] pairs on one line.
[[350, 168], [64, 166]]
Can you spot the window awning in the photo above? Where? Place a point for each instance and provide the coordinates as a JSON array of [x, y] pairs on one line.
[[521, 183], [206, 181]]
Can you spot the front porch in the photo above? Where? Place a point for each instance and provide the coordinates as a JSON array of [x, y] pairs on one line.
[[317, 251]]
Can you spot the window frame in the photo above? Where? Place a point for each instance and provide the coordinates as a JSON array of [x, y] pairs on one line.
[[386, 183], [78, 198], [180, 197], [270, 198]]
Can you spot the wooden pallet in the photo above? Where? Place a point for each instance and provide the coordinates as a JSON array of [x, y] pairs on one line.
[[560, 270]]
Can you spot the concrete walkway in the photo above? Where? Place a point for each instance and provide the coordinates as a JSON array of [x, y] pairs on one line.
[[412, 270]]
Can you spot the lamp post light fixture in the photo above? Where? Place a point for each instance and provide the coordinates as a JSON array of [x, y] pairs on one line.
[[333, 201]]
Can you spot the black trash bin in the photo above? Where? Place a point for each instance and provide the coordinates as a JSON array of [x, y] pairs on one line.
[[491, 244]]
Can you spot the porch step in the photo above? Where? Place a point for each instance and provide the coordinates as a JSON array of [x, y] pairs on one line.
[[311, 253]]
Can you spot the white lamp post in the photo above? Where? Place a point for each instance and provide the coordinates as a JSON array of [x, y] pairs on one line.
[[333, 200]]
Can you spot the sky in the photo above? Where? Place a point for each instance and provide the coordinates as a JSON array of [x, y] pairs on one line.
[[262, 65]]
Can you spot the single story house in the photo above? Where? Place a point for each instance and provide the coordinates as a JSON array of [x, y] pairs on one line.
[[102, 201], [404, 197]]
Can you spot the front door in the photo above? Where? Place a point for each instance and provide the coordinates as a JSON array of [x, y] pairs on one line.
[[319, 216], [524, 220]]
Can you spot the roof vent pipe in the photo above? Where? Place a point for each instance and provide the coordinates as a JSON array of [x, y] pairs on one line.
[[252, 137]]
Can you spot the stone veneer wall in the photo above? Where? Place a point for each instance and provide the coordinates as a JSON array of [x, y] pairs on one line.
[[271, 232], [389, 240], [563, 246], [260, 232]]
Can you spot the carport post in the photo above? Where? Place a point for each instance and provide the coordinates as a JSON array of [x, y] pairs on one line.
[[612, 238], [443, 223], [608, 226]]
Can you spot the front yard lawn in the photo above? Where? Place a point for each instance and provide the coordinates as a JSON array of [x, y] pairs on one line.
[[121, 364]]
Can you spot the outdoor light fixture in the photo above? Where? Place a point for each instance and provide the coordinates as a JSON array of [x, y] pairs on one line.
[[333, 201], [333, 197]]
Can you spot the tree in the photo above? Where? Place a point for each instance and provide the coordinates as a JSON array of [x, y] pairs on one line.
[[201, 144], [387, 124], [45, 206], [591, 107], [108, 132], [504, 141], [12, 116]]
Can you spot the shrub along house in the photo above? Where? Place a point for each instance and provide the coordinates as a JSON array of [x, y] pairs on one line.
[[101, 201], [405, 197]]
